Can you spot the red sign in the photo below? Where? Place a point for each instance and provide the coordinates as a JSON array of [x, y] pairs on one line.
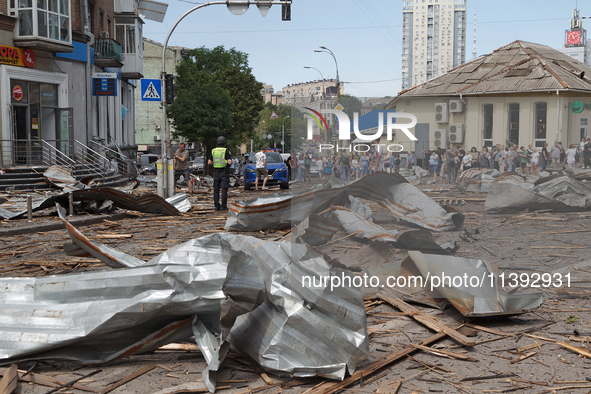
[[17, 92], [573, 37], [29, 58]]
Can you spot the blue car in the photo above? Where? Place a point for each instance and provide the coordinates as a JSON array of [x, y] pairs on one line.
[[278, 174]]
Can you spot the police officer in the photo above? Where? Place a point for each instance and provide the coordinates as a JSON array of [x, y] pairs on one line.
[[221, 159]]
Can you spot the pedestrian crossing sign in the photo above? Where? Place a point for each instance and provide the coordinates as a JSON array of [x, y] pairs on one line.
[[151, 89]]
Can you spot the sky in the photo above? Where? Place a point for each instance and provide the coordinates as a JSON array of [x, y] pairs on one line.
[[364, 35]]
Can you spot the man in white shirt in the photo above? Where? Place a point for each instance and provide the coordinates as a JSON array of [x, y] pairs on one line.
[[261, 168]]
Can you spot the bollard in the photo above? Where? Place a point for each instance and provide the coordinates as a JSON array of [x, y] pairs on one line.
[[30, 208], [71, 201]]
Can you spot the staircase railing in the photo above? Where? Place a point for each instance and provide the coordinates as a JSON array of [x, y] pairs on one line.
[[119, 162], [94, 161], [54, 156]]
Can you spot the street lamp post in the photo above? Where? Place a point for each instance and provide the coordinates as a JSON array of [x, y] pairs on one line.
[[326, 50], [165, 177], [323, 104], [283, 134]]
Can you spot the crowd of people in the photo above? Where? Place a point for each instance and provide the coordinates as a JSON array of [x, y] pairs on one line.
[[531, 160]]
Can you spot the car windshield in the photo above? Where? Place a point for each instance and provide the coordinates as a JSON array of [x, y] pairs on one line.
[[199, 160]]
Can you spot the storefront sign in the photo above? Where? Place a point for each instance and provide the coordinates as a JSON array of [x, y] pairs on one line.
[[17, 56], [17, 93], [104, 84], [577, 107]]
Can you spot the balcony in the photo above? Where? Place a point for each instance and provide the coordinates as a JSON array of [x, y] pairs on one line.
[[107, 53], [133, 66]]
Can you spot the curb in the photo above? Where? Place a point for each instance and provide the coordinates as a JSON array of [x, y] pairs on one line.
[[41, 228]]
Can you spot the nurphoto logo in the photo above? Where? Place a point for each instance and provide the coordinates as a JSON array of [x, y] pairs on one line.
[[345, 129]]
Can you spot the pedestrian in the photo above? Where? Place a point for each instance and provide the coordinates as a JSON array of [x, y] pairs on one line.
[[261, 168], [301, 168], [475, 157], [535, 158], [530, 150], [562, 154], [555, 155], [328, 167], [378, 165], [345, 166], [355, 167], [307, 166], [484, 158], [410, 160], [433, 164], [364, 163], [397, 163], [450, 155], [494, 157], [587, 153], [515, 157], [508, 165], [221, 159], [500, 159], [523, 160], [570, 156], [467, 162], [544, 156], [581, 151], [181, 166]]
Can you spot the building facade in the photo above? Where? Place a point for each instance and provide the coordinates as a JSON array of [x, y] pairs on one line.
[[269, 95], [522, 93], [302, 94], [54, 57], [576, 44], [433, 39], [148, 115]]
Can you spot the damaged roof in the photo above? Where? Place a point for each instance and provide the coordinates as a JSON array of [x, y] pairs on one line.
[[514, 68]]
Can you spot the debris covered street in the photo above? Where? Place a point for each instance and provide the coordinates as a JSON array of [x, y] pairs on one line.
[[413, 347]]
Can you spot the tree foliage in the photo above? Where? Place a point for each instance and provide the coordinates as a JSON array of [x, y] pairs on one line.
[[216, 94], [351, 103]]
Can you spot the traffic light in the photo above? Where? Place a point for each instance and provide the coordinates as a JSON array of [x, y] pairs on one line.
[[169, 88], [286, 11]]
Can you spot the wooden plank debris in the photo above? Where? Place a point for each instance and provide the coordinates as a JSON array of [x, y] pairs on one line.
[[527, 355], [68, 384], [129, 378], [565, 345], [443, 353], [428, 320], [9, 380], [45, 380]]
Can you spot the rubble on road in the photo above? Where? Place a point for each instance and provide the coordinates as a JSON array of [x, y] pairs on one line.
[[477, 180], [554, 193], [404, 201]]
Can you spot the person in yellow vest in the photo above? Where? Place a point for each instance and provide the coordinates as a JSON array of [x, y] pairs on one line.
[[221, 159]]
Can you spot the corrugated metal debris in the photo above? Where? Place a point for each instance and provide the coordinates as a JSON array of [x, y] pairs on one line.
[[554, 193], [226, 290], [403, 200], [472, 286]]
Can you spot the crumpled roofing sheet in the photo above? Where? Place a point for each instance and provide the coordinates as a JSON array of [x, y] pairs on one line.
[[556, 193], [477, 180], [471, 286], [148, 203], [392, 191], [227, 290]]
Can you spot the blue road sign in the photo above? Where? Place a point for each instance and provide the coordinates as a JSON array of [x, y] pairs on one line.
[[151, 89]]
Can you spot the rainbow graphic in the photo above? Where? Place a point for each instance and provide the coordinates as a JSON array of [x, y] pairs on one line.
[[317, 119]]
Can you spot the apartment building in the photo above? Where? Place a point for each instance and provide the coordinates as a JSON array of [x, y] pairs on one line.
[[68, 71], [433, 39], [301, 94]]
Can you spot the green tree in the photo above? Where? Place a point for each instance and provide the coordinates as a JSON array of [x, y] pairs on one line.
[[351, 103], [216, 95]]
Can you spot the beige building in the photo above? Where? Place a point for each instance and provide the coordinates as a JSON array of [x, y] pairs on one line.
[[433, 39], [302, 94], [269, 95], [522, 93], [148, 114]]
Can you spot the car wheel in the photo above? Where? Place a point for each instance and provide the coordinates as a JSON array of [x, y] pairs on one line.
[[284, 185], [246, 186]]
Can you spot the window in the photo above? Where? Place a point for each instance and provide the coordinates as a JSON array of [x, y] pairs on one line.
[[540, 121], [129, 36], [44, 18], [488, 121], [514, 123]]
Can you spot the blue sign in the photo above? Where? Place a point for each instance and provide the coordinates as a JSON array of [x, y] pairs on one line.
[[151, 89], [104, 86]]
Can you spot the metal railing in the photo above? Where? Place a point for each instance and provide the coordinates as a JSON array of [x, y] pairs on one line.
[[57, 152], [21, 153], [122, 164], [96, 164], [107, 48]]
